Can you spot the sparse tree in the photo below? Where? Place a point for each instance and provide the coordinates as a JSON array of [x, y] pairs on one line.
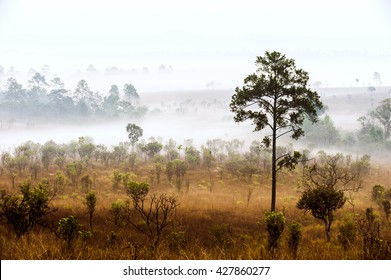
[[277, 97], [377, 78], [171, 150], [208, 159], [192, 157], [330, 171], [130, 92], [91, 203], [155, 211], [325, 184], [180, 171], [60, 183], [376, 125], [111, 102], [322, 202], [152, 148], [323, 133], [170, 170], [134, 133], [382, 114]]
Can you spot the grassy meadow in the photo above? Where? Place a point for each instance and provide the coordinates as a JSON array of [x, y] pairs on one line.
[[219, 216]]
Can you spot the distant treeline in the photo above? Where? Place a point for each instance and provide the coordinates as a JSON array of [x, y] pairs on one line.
[[373, 135], [51, 101]]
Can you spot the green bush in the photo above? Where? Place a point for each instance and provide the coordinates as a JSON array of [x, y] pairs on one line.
[[275, 222], [68, 229], [295, 236], [137, 191], [91, 203], [23, 212], [116, 210], [60, 183], [322, 201], [377, 192]]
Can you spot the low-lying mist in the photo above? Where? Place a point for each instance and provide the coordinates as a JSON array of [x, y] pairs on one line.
[[196, 115]]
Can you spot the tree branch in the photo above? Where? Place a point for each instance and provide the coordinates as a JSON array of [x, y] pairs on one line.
[[282, 134]]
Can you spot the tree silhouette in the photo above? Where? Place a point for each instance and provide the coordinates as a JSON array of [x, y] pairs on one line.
[[277, 97]]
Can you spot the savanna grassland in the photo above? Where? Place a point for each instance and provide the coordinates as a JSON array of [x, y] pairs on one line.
[[219, 213]]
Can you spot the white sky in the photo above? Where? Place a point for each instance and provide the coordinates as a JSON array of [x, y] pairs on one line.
[[336, 41]]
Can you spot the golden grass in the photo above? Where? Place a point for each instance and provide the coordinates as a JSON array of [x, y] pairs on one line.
[[225, 223]]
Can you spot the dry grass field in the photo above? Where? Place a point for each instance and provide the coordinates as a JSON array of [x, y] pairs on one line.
[[219, 216]]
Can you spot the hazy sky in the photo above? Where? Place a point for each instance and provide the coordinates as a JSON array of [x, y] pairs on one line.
[[336, 41]]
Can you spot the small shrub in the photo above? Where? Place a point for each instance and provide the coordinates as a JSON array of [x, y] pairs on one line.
[[23, 212], [347, 233], [275, 222], [176, 241], [91, 203], [295, 236], [158, 171], [222, 236], [116, 210], [85, 235], [377, 192], [373, 246], [112, 238], [68, 229], [170, 170], [383, 198], [60, 183]]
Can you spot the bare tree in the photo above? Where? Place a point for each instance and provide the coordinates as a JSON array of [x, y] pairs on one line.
[[326, 183], [155, 211]]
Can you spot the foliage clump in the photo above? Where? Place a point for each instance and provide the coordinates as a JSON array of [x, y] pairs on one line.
[[275, 223], [295, 236], [322, 202], [26, 210], [91, 203], [67, 229]]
